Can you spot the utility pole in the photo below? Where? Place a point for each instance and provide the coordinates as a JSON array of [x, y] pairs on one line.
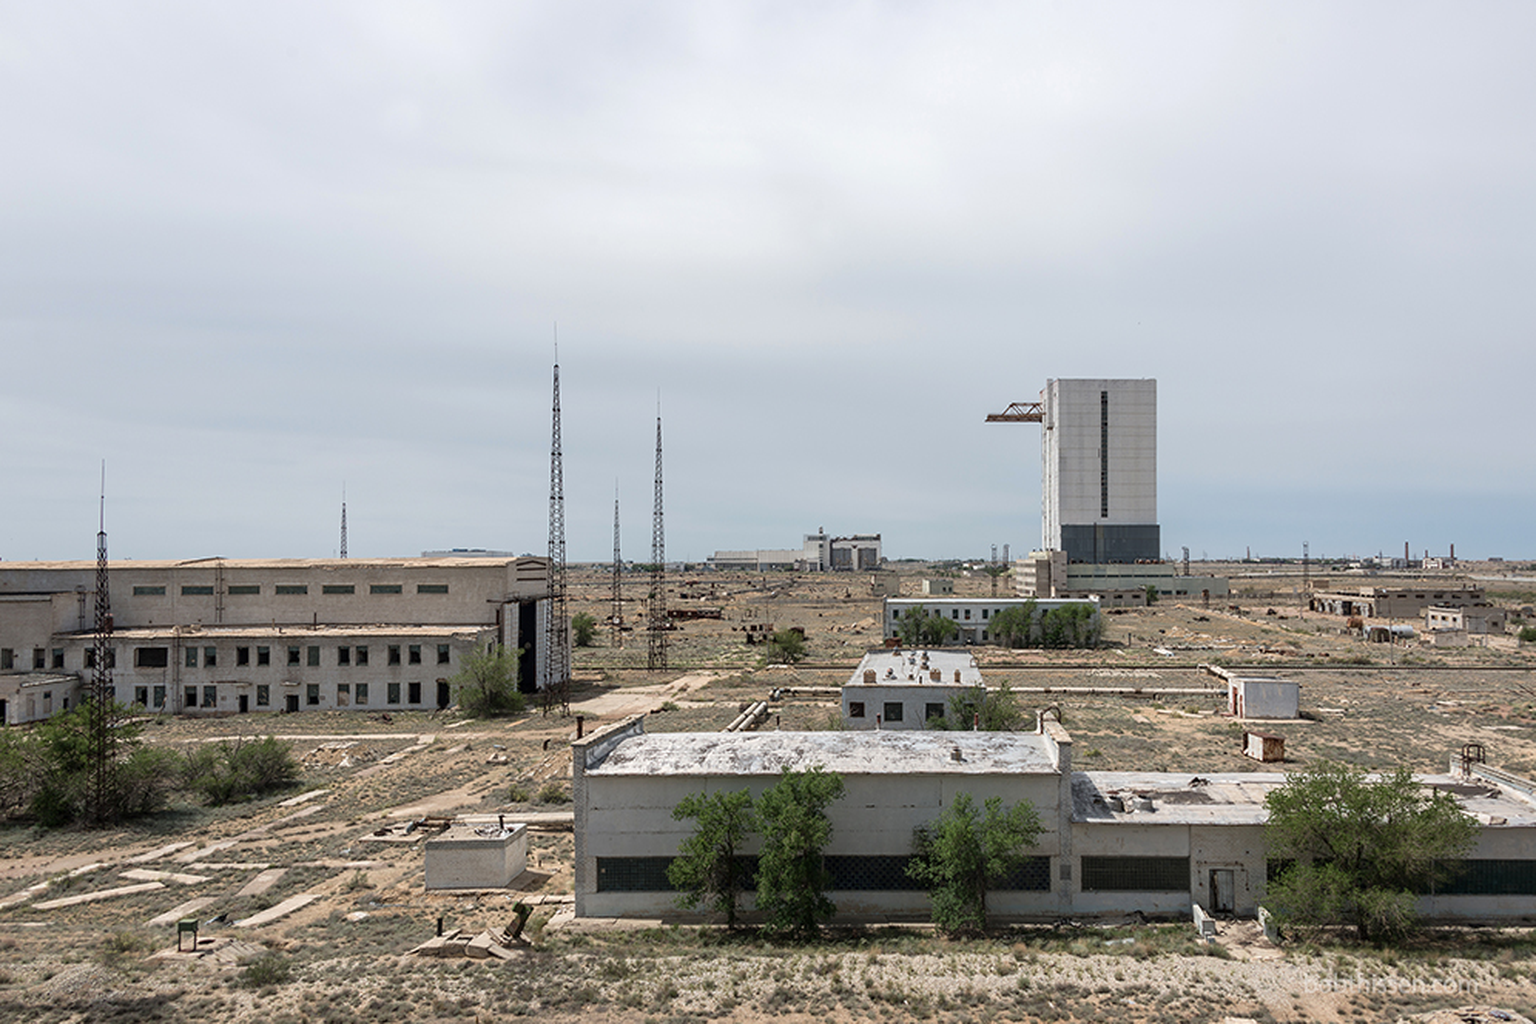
[[616, 618], [343, 521], [100, 717]]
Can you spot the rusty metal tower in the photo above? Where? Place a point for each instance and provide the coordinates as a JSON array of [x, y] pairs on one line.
[[557, 638], [343, 520], [656, 658], [616, 617], [100, 722]]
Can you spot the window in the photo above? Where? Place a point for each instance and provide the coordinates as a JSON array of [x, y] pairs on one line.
[[413, 693], [158, 694], [386, 588], [855, 709], [243, 590], [394, 654], [392, 693], [633, 874], [343, 655], [871, 873], [189, 697], [442, 654], [984, 615], [242, 655], [312, 693], [362, 693], [967, 615], [210, 696], [293, 656], [343, 694], [984, 636], [893, 711], [954, 613], [291, 589], [431, 588], [932, 711], [39, 659], [338, 588], [8, 658], [263, 655], [58, 657], [148, 591], [415, 654], [141, 696], [190, 658], [361, 657], [151, 657], [197, 591], [312, 658], [210, 657], [263, 695], [1136, 874]]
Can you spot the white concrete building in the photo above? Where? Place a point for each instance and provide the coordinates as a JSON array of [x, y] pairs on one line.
[[229, 636], [972, 616], [1098, 449], [1050, 574], [905, 689], [1114, 842]]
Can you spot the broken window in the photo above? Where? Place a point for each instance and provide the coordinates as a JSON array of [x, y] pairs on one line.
[[313, 658], [158, 693], [312, 693], [7, 658], [189, 697], [141, 696], [893, 711], [210, 657], [361, 658], [39, 659], [394, 654], [442, 654], [210, 696], [151, 657], [413, 693], [191, 657], [343, 694], [263, 695], [855, 709], [343, 655], [58, 657], [293, 656], [392, 693], [242, 655], [263, 655], [362, 693], [415, 654], [932, 711]]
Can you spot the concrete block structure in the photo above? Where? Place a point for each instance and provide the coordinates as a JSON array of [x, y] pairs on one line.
[[1050, 574], [476, 856], [1397, 602], [1114, 842], [227, 636], [906, 689], [1098, 451]]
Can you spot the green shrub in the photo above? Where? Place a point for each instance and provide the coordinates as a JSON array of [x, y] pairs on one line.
[[267, 969], [554, 793], [230, 772]]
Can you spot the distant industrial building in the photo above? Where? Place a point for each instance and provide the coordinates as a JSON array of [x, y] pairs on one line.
[[220, 636], [1393, 602], [858, 552]]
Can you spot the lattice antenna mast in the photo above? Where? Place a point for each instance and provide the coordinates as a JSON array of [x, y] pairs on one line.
[[557, 638], [100, 720], [657, 657], [343, 520], [616, 617]]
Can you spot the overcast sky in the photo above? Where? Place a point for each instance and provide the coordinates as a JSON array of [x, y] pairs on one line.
[[251, 253]]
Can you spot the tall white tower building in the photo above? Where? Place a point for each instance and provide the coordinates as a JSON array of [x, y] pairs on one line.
[[1098, 451]]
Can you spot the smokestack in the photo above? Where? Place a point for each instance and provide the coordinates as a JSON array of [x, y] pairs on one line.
[[1453, 552], [1406, 556]]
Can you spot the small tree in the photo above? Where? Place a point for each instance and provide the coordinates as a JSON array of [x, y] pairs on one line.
[[920, 627], [995, 710], [1015, 626], [1071, 625], [63, 785], [583, 627], [965, 852], [1362, 848], [229, 772], [786, 647], [791, 877], [707, 868], [486, 683], [1151, 592]]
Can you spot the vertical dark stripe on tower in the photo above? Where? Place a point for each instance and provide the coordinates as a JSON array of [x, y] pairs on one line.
[[1104, 454]]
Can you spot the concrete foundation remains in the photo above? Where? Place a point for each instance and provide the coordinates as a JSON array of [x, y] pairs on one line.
[[476, 857]]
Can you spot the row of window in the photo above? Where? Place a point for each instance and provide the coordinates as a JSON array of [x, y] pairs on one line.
[[207, 696], [286, 589], [894, 710], [870, 873], [954, 613], [42, 659], [298, 654]]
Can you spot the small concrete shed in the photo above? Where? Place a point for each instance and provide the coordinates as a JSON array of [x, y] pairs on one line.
[[476, 856]]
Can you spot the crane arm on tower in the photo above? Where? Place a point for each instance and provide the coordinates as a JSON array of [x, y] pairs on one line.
[[1019, 412]]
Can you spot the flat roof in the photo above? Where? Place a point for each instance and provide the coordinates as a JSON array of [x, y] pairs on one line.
[[870, 752], [297, 632], [1237, 798], [471, 561], [905, 665]]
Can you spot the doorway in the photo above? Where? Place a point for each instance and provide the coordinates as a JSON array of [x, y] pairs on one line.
[[245, 703], [444, 694], [291, 702], [1223, 890]]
